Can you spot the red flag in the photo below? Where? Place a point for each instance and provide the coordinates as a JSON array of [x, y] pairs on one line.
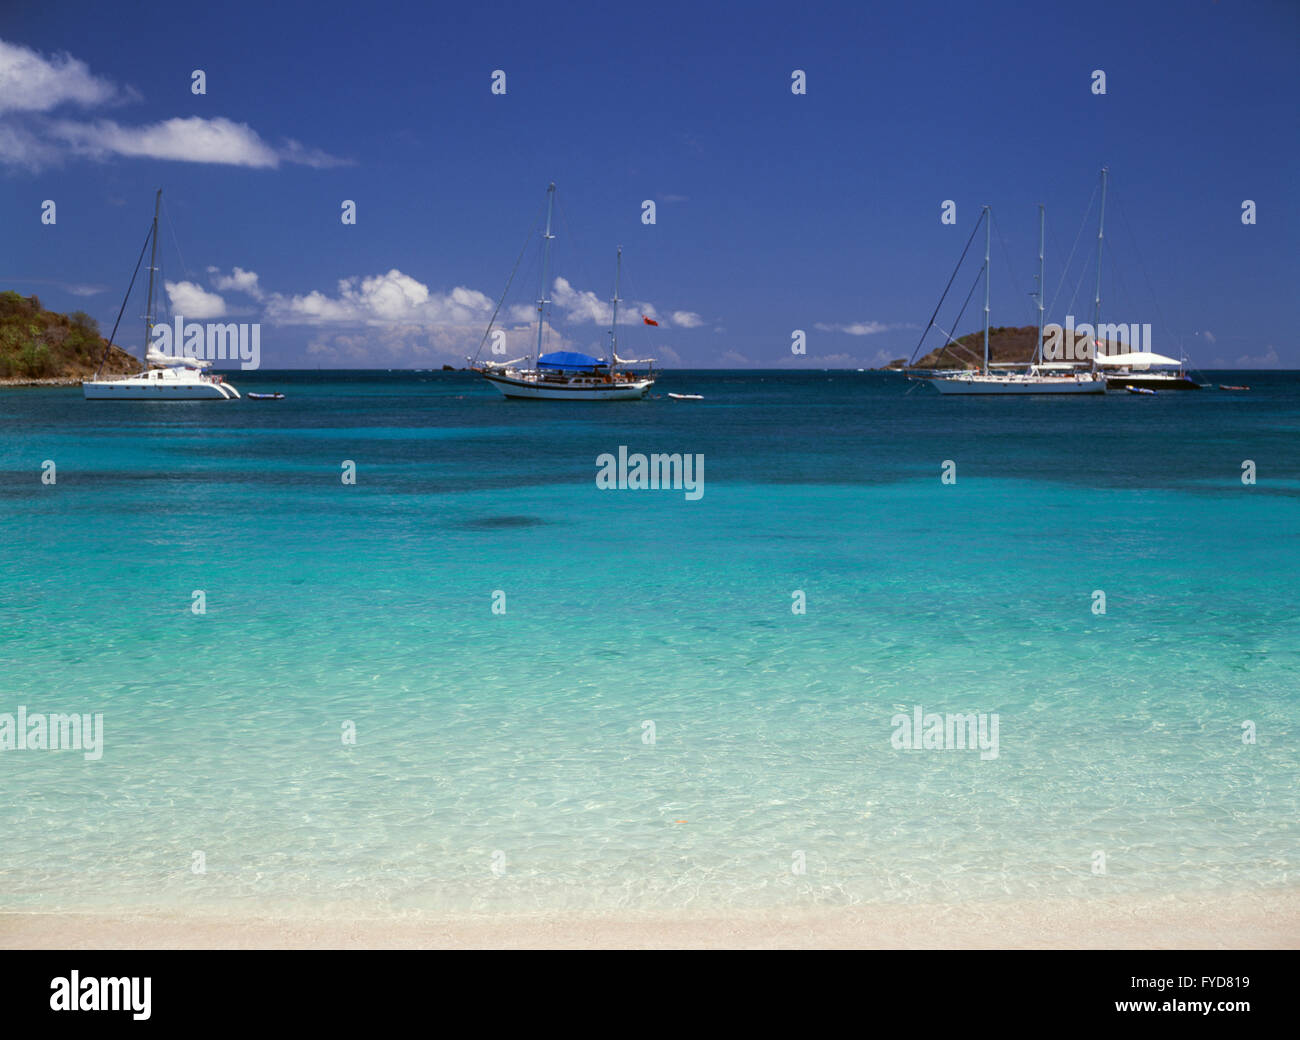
[[648, 321]]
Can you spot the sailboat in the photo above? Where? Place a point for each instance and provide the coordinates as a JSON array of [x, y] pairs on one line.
[[1039, 377], [166, 377], [568, 375]]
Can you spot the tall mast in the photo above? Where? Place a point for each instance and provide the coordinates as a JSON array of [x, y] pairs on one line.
[[988, 238], [613, 325], [153, 256], [1096, 303], [546, 259], [1038, 354]]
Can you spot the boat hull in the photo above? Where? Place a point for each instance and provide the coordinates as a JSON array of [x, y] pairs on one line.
[[160, 390], [1021, 387], [541, 390]]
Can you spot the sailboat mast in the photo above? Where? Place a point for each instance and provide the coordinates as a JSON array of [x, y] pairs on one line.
[[988, 238], [546, 260], [1096, 302], [1042, 226], [613, 324], [153, 258]]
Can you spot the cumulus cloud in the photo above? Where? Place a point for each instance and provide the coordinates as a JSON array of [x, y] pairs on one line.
[[238, 280], [406, 323], [582, 306], [30, 82], [193, 301], [382, 299], [32, 85]]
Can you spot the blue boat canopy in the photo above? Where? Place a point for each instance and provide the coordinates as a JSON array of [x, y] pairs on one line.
[[569, 360]]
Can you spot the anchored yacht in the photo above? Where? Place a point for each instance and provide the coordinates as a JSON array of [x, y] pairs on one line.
[[166, 377], [568, 375]]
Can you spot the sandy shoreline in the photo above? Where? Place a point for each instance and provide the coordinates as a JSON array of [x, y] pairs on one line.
[[1268, 920]]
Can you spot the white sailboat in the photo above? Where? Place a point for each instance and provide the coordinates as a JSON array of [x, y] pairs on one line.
[[568, 375], [166, 377], [1037, 378]]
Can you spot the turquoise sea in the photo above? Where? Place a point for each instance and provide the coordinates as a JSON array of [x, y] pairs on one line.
[[503, 761]]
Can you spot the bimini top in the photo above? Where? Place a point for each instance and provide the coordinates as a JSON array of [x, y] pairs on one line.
[[569, 360], [1138, 359]]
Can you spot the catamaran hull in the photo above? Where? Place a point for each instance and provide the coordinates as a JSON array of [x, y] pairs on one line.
[[997, 386], [160, 391], [530, 390]]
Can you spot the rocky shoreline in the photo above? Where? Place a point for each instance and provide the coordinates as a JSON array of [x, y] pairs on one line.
[[53, 381]]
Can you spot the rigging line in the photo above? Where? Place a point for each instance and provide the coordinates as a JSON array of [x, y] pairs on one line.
[[1141, 264], [929, 326], [505, 292], [108, 346], [1066, 269], [175, 241], [957, 323], [1119, 281], [1006, 255], [1058, 251]]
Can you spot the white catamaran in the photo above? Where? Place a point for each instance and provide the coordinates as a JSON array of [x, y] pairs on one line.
[[568, 375], [1038, 377], [166, 377]]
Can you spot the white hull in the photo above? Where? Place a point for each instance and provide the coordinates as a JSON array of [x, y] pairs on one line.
[[563, 390], [159, 385], [981, 384]]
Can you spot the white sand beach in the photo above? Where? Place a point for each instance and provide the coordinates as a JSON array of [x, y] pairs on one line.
[[1260, 920]]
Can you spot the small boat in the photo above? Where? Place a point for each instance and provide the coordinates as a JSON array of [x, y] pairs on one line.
[[265, 397], [166, 377], [1225, 386], [687, 397], [1139, 390]]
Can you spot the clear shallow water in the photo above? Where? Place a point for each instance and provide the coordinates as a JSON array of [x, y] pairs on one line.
[[522, 734]]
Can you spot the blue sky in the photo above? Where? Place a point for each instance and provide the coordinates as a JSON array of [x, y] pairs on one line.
[[775, 211]]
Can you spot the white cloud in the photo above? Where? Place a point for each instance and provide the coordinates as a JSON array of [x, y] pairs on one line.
[[32, 85], [857, 328], [1209, 335], [30, 82], [192, 139], [382, 299], [238, 280], [194, 302], [582, 306]]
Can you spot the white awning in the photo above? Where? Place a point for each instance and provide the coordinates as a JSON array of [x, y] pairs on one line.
[[1137, 359], [156, 358]]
